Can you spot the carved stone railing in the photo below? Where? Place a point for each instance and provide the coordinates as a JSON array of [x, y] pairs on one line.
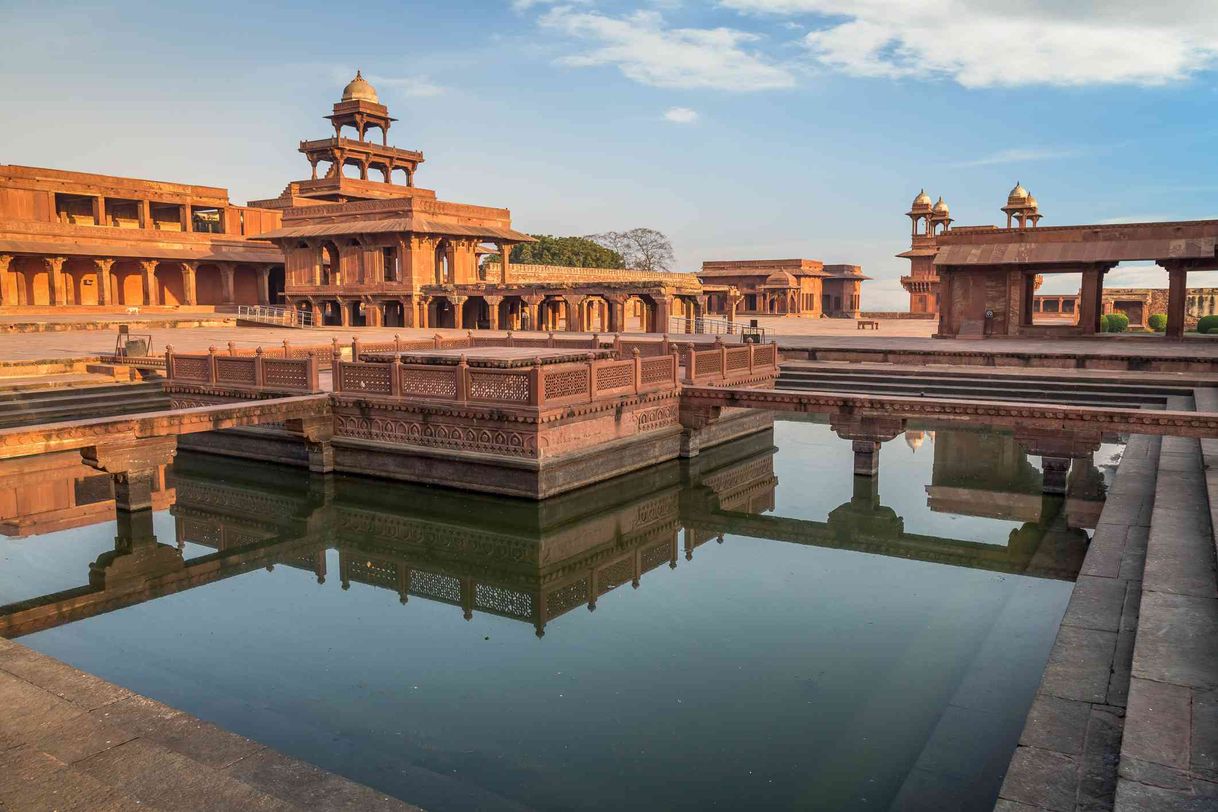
[[258, 370], [723, 365], [530, 384]]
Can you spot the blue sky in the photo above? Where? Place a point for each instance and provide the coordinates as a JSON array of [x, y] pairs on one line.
[[741, 128]]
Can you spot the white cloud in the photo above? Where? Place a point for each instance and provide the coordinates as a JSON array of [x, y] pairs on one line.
[[680, 115], [525, 5], [414, 86], [988, 43], [1020, 155], [643, 49]]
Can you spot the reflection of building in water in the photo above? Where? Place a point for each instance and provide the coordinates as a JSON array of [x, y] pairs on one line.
[[914, 438], [988, 474], [536, 561], [57, 492]]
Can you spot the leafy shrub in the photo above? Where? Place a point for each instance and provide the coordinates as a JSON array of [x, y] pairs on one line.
[[1103, 323], [1207, 323], [1118, 323], [1157, 322]]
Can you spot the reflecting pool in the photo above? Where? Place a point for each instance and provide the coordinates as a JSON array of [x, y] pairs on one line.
[[767, 630]]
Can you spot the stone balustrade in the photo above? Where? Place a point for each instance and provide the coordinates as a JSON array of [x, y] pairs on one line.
[[532, 384], [260, 370]]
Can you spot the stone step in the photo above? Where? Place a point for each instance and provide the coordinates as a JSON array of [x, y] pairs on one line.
[[922, 373], [77, 395], [965, 391], [40, 416], [1068, 751], [37, 383], [1169, 751]]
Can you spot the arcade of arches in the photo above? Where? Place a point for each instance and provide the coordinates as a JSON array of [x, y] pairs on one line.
[[31, 280]]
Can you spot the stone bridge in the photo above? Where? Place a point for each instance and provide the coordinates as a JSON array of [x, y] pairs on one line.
[[131, 447]]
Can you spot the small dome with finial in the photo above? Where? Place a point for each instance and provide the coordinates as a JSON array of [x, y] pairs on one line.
[[1018, 195], [941, 206], [358, 89], [921, 202], [1032, 204]]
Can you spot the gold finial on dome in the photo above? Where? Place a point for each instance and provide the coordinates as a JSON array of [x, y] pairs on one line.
[[358, 89]]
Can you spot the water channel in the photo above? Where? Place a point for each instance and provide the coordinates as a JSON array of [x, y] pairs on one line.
[[767, 630]]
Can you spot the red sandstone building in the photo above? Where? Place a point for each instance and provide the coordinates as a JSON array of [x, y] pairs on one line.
[[782, 287], [981, 280], [72, 238], [356, 243], [1034, 252]]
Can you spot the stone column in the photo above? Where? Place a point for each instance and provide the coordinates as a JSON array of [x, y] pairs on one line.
[[734, 298], [458, 302], [187, 220], [59, 291], [866, 435], [663, 309], [492, 309], [617, 313], [505, 262], [189, 288], [344, 312], [133, 465], [227, 279], [1177, 297], [148, 269], [103, 279], [5, 261], [317, 433], [1090, 297], [264, 285], [574, 313], [532, 306]]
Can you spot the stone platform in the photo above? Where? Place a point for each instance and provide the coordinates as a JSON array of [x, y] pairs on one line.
[[1144, 353], [533, 419], [72, 742]]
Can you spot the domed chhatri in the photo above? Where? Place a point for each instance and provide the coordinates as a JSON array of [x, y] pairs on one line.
[[1032, 204], [1018, 196], [358, 89], [921, 202], [941, 206]]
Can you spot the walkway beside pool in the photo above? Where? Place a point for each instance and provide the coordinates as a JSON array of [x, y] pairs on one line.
[[70, 741]]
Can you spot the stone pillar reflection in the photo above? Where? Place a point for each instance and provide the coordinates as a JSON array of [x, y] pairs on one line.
[[1055, 474]]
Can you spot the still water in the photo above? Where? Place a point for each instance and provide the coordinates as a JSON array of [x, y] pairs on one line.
[[767, 631]]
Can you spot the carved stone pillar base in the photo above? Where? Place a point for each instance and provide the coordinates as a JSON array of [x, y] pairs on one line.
[[133, 490]]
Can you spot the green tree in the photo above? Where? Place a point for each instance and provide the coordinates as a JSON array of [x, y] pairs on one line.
[[575, 252]]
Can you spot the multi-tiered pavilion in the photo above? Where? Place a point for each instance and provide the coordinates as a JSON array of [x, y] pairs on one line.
[[384, 251]]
